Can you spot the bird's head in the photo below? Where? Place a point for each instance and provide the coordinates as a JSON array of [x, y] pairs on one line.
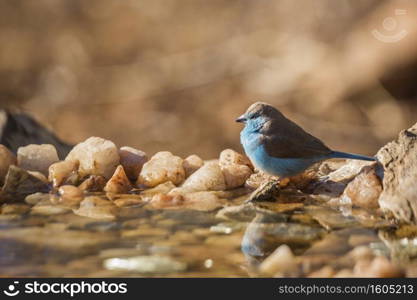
[[259, 113]]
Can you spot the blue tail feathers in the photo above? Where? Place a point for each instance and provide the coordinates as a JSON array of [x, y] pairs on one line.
[[337, 154]]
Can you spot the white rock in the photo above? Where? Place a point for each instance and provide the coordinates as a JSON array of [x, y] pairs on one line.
[[96, 156], [7, 158], [236, 175], [162, 167], [37, 157], [208, 178], [229, 156], [146, 264], [191, 164], [132, 161]]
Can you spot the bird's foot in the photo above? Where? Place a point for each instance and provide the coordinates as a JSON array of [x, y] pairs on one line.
[[266, 192]]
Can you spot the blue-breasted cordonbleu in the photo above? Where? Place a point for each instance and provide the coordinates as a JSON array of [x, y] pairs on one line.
[[278, 146]]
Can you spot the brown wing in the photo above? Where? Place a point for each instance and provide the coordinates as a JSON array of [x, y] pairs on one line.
[[284, 139]]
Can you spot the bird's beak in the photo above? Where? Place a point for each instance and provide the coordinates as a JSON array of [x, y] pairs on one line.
[[241, 119]]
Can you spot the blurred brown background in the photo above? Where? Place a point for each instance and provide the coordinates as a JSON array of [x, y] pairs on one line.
[[174, 74]]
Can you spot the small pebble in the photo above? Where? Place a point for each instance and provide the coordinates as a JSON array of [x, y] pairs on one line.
[[236, 175], [118, 183], [364, 190], [208, 178], [7, 158], [96, 156], [96, 208], [281, 260], [93, 183], [191, 164], [37, 157], [231, 157], [132, 161], [35, 198], [63, 172], [162, 167]]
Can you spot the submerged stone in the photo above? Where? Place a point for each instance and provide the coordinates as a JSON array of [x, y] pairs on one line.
[[152, 264]]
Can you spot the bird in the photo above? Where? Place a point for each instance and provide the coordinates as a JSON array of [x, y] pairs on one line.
[[280, 147]]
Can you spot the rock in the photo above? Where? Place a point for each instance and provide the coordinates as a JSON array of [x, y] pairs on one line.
[[364, 190], [68, 196], [96, 208], [63, 172], [7, 158], [258, 179], [35, 198], [39, 176], [208, 178], [162, 167], [163, 188], [96, 156], [281, 260], [242, 213], [118, 183], [399, 160], [191, 164], [325, 272], [93, 183], [235, 175], [19, 183], [152, 264], [14, 209], [348, 171], [379, 267], [47, 208], [37, 157], [201, 201], [132, 161], [231, 157], [124, 202]]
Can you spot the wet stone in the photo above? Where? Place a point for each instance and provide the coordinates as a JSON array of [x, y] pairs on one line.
[[63, 172], [162, 167], [96, 156], [19, 183], [96, 208], [35, 198], [93, 183], [18, 209], [118, 183], [68, 196], [208, 178], [163, 188], [132, 161]]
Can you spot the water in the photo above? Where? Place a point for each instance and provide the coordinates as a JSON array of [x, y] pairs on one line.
[[188, 243]]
